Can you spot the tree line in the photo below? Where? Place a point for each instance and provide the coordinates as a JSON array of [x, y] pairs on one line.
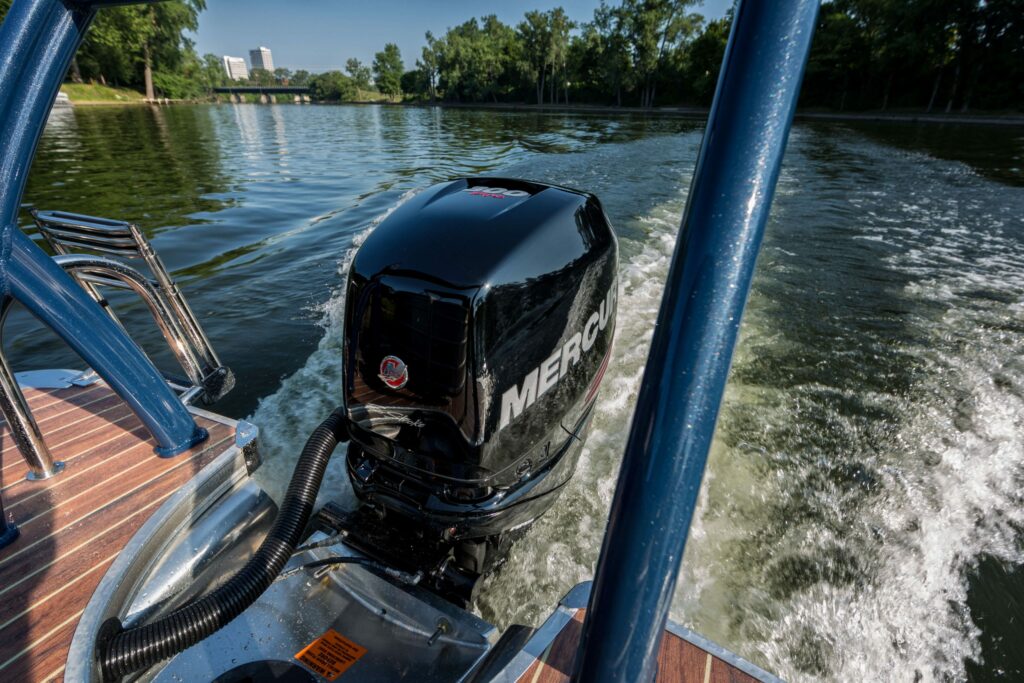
[[956, 55], [945, 55]]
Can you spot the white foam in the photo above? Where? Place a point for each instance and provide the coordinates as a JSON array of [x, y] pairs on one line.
[[943, 484]]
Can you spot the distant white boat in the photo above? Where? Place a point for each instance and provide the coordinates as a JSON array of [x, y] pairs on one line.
[[62, 100]]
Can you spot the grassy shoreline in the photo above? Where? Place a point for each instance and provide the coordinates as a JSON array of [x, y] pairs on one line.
[[94, 93], [90, 94]]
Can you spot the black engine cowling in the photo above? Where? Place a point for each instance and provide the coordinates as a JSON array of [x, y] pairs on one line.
[[479, 321]]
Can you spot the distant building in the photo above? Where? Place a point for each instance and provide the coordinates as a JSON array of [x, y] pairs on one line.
[[234, 67], [260, 59]]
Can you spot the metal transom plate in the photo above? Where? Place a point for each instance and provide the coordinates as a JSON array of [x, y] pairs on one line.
[[382, 630]]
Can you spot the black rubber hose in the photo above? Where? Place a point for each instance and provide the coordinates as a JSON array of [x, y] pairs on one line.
[[141, 647]]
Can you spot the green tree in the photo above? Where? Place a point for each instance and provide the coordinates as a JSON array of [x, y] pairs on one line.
[[413, 83], [705, 60], [129, 45], [261, 77], [655, 28], [283, 75], [478, 60], [614, 62], [300, 78], [388, 70], [428, 65], [535, 36], [359, 73], [558, 50], [112, 48], [332, 86], [213, 75], [160, 29]]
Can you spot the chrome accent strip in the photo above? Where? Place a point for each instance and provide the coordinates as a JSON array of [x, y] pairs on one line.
[[246, 438], [214, 417], [578, 595]]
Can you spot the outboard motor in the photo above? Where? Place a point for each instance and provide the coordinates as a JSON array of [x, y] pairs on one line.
[[479, 321]]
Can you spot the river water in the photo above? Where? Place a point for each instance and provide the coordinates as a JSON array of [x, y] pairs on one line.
[[861, 518]]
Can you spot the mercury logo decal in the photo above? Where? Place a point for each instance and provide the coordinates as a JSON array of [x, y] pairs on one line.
[[495, 192], [551, 371], [393, 372]]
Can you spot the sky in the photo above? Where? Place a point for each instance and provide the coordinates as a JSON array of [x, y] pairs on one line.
[[319, 35]]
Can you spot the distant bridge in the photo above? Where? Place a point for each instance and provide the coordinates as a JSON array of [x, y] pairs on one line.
[[263, 90]]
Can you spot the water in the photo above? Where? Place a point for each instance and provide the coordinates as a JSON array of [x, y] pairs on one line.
[[862, 514]]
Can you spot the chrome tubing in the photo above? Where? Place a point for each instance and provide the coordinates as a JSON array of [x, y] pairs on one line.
[[98, 270], [24, 429], [189, 322]]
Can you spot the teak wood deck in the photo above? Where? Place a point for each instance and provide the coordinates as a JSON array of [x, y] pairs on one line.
[[73, 525], [684, 657]]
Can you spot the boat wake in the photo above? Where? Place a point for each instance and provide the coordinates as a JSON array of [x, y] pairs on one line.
[[871, 440], [870, 447]]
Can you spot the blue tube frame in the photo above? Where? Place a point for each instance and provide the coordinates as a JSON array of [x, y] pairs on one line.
[[688, 364], [38, 38]]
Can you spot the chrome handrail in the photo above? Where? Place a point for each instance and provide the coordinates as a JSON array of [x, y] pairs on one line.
[[171, 313], [177, 301], [98, 270], [66, 233]]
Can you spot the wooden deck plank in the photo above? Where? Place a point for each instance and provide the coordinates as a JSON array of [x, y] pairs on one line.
[[23, 491], [688, 662], [64, 412], [723, 673], [120, 473], [555, 664], [679, 660], [83, 518], [72, 396], [74, 525], [45, 660]]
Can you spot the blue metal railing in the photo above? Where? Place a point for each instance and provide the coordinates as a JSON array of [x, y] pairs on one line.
[[37, 41], [692, 347]]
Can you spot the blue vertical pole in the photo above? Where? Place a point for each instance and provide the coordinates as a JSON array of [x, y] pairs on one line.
[[38, 38], [707, 288]]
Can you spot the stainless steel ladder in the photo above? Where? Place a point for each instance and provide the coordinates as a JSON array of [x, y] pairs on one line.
[[70, 234]]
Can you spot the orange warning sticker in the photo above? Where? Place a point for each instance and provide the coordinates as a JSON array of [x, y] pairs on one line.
[[330, 654]]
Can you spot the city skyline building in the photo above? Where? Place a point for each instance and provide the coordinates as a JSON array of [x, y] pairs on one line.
[[235, 68], [260, 58]]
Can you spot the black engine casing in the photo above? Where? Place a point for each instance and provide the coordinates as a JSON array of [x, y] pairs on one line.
[[479, 321]]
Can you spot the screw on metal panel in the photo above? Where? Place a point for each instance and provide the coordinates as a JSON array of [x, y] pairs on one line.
[[443, 627]]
